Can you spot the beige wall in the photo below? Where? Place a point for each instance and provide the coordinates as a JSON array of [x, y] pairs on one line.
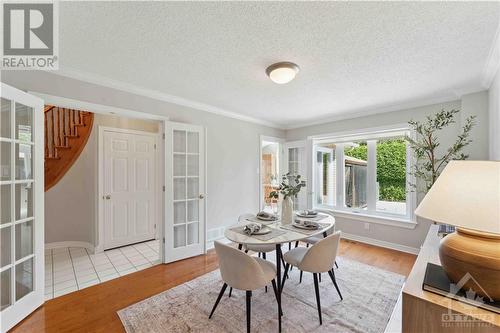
[[70, 205], [471, 104]]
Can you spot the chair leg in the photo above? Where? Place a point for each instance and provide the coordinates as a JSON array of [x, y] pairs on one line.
[[332, 276], [289, 246], [218, 299], [307, 245], [336, 264], [264, 256], [287, 266], [297, 244], [246, 251], [276, 294], [318, 302], [300, 280], [319, 277], [249, 304], [240, 246], [259, 254], [230, 291]]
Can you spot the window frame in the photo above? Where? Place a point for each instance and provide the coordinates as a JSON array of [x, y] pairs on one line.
[[370, 135]]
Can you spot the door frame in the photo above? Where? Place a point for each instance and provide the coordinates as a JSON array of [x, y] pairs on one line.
[[281, 161], [106, 109], [100, 179], [18, 310]]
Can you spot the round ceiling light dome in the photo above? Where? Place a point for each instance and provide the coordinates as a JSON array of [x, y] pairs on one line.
[[282, 72]]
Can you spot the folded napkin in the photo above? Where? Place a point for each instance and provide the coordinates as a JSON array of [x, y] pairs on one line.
[[308, 212], [252, 228], [309, 224], [266, 215]]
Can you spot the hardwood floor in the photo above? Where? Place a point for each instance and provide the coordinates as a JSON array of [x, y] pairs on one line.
[[94, 309]]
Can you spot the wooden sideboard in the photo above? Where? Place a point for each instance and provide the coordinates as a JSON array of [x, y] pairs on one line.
[[427, 312]]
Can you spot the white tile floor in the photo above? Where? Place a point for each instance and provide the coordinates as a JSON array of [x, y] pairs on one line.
[[71, 269]]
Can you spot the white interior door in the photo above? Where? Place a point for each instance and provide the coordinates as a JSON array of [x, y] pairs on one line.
[[295, 156], [129, 193], [22, 212], [185, 191]]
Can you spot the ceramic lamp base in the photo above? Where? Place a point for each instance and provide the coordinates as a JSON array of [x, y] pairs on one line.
[[477, 253]]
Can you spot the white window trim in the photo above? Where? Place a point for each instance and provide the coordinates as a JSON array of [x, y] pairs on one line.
[[372, 216]]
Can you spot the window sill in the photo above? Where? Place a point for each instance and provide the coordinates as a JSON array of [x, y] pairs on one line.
[[385, 220]]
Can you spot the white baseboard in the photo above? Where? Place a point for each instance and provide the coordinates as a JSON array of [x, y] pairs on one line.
[[380, 243], [210, 245], [58, 245]]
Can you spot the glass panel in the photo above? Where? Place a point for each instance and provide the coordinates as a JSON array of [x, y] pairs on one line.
[[179, 188], [356, 161], [24, 201], [193, 165], [391, 176], [24, 122], [5, 158], [192, 188], [24, 278], [179, 165], [269, 171], [24, 239], [5, 204], [179, 141], [192, 233], [5, 246], [24, 162], [193, 142], [179, 212], [179, 235], [5, 119], [192, 210], [5, 296], [326, 181]]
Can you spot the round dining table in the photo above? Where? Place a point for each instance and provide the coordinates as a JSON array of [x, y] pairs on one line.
[[290, 235]]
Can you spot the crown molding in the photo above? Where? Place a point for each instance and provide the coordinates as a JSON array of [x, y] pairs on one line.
[[493, 63], [157, 95]]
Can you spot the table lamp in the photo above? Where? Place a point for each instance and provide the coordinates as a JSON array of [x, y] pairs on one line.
[[467, 195]]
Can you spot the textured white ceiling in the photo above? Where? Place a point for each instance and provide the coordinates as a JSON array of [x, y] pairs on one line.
[[354, 56]]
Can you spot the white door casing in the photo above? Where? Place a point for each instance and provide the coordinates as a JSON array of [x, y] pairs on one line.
[[22, 205], [185, 191], [129, 186]]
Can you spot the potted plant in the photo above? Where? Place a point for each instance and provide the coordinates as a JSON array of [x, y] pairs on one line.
[[289, 187]]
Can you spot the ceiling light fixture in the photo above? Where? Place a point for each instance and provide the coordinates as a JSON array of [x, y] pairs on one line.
[[282, 72]]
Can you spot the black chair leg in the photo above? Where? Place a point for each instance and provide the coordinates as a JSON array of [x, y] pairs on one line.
[[276, 294], [230, 291], [246, 251], [264, 256], [289, 246], [336, 264], [332, 276], [318, 302], [300, 280], [218, 299], [297, 244], [249, 304], [240, 246], [307, 245], [287, 266], [319, 277]]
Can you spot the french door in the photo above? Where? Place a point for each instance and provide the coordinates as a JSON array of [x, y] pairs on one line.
[[22, 206], [295, 156], [185, 191]]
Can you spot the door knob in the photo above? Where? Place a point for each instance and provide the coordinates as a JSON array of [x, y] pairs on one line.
[[107, 197], [202, 196]]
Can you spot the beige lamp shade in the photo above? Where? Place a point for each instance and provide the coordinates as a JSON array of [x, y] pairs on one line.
[[467, 195]]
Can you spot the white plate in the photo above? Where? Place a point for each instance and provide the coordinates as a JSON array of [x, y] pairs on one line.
[[307, 216], [262, 231], [300, 226], [266, 219]]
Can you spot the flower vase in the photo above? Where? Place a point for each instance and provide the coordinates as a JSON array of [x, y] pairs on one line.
[[287, 211]]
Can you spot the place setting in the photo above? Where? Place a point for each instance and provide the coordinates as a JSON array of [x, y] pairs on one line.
[[257, 226], [307, 222]]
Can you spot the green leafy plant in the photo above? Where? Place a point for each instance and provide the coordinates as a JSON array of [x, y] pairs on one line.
[[290, 186], [428, 164]]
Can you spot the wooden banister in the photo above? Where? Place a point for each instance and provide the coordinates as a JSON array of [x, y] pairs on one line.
[[66, 134]]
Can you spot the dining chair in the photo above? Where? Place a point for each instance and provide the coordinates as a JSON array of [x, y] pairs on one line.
[[316, 259], [241, 271]]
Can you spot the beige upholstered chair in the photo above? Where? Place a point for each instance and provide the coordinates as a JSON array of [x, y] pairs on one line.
[[241, 271], [317, 259]]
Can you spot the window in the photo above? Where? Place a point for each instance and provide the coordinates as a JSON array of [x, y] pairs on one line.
[[365, 173]]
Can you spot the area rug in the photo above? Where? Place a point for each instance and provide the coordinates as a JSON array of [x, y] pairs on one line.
[[370, 295]]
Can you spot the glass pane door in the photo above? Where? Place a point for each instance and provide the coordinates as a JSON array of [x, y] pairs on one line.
[[185, 233], [20, 229]]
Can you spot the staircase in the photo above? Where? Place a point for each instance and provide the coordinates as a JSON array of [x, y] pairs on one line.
[[66, 133]]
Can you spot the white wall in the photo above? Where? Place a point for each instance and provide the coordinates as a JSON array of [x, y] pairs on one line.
[[233, 145], [494, 108], [70, 205], [471, 104]]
